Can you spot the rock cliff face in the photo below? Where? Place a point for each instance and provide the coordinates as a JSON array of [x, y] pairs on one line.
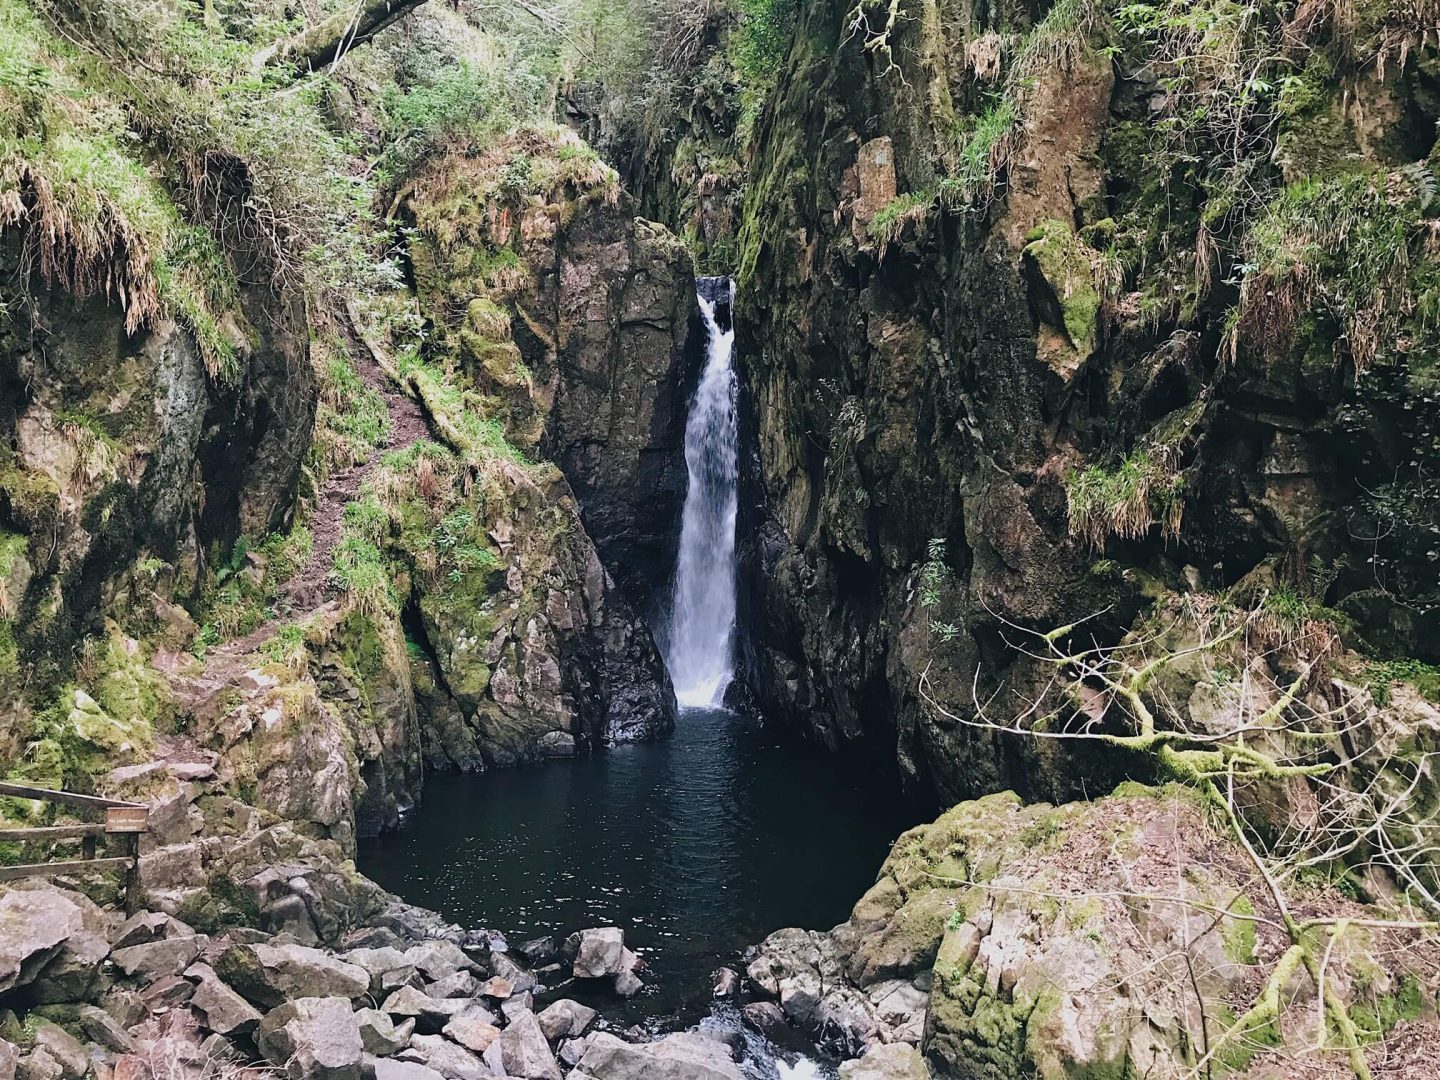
[[993, 380]]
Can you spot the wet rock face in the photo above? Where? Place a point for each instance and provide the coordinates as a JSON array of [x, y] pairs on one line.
[[113, 447], [627, 351], [922, 388], [899, 415]]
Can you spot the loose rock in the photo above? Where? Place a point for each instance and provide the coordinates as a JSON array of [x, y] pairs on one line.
[[524, 1051], [315, 1038]]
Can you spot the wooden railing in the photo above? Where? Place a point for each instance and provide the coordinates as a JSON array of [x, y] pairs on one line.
[[123, 821]]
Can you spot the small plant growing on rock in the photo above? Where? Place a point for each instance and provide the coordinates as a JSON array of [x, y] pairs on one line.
[[1126, 501]]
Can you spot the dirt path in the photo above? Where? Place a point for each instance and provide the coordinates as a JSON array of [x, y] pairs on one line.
[[308, 589]]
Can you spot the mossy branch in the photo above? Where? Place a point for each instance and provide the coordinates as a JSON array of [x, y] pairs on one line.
[[327, 41]]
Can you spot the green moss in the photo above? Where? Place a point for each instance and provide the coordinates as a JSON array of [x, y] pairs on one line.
[[1238, 934], [221, 905], [1064, 263]]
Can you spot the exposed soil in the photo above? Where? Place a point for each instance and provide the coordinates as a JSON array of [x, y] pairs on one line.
[[308, 589]]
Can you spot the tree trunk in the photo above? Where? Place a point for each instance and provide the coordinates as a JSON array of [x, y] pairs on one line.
[[333, 37]]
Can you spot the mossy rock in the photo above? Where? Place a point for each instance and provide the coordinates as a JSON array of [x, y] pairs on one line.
[[1062, 272]]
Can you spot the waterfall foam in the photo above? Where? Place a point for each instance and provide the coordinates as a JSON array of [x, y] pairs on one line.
[[702, 623]]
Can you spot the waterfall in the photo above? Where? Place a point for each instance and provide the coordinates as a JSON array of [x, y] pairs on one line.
[[702, 623]]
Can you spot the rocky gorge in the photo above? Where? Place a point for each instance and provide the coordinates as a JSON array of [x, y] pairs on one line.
[[1075, 489]]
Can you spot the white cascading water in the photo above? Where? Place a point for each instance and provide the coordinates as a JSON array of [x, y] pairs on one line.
[[702, 622]]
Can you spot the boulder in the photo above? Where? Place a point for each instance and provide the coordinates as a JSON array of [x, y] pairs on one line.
[[66, 1050], [95, 1024], [524, 1051], [268, 975], [145, 927], [445, 1057], [380, 962], [521, 979], [34, 924], [438, 959], [565, 1019], [887, 1061], [473, 1029], [314, 1038], [538, 951], [725, 983], [38, 1065], [497, 988], [221, 1009], [685, 1056], [767, 1018], [167, 993], [430, 1014], [380, 1034], [156, 959], [9, 1055], [460, 985], [74, 973], [596, 953], [628, 984]]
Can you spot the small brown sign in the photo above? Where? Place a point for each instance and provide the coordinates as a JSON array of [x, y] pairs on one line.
[[126, 819]]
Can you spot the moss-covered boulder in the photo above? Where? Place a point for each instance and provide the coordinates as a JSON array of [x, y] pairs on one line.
[[1115, 938]]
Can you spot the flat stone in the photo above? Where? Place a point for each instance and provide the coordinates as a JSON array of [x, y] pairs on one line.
[[34, 923], [449, 1059], [315, 1038], [525, 1052], [382, 1068], [173, 867], [565, 1019], [685, 1056], [188, 771], [473, 1029]]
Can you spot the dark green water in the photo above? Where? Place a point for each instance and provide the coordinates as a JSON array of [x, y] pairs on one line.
[[698, 847]]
